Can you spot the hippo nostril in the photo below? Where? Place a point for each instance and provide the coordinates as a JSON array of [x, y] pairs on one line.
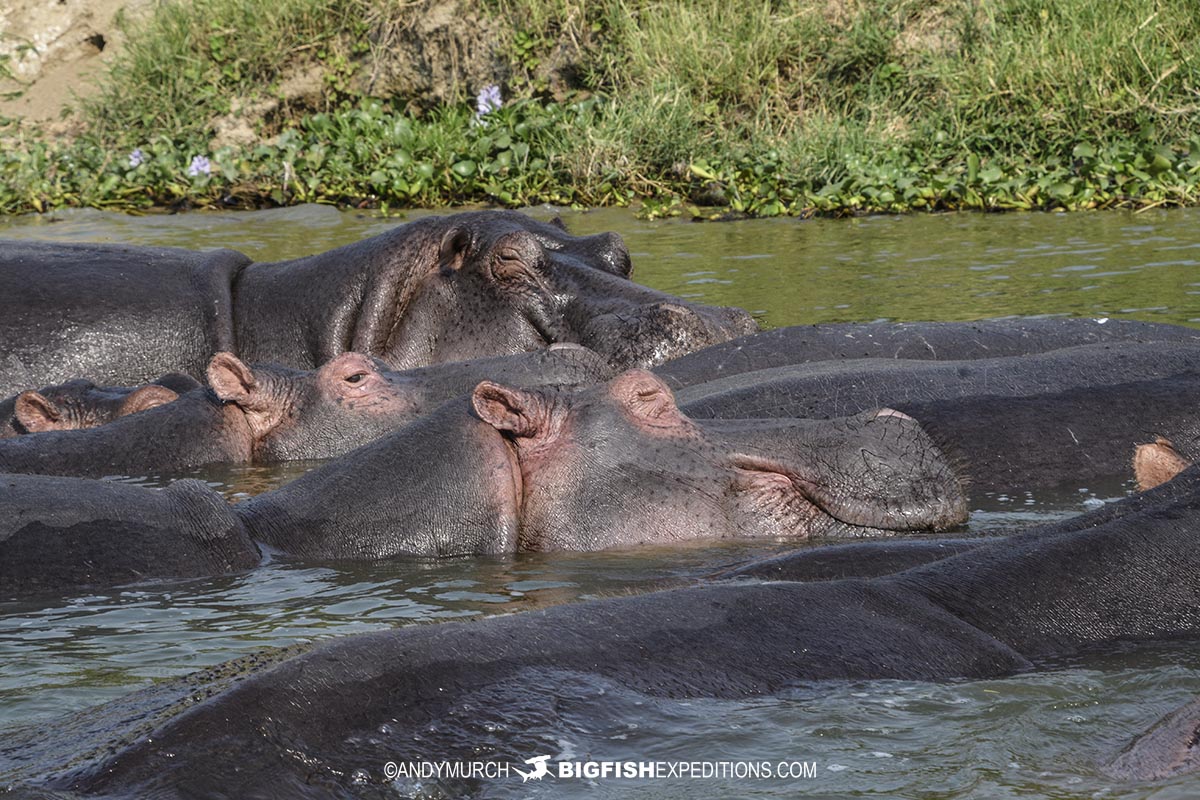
[[739, 320], [610, 250]]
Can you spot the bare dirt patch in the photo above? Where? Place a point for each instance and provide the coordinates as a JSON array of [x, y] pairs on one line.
[[53, 52]]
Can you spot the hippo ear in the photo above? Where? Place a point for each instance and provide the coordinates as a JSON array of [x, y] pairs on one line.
[[1157, 463], [148, 396], [558, 223], [232, 380], [37, 413], [507, 409], [454, 246]]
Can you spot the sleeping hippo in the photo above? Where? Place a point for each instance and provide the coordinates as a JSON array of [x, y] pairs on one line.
[[438, 289], [328, 720], [266, 414], [80, 404], [510, 470]]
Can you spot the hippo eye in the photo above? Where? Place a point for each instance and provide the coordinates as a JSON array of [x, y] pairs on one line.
[[509, 264], [357, 377]]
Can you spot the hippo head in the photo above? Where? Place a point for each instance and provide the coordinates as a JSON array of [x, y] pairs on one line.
[[621, 465], [489, 283], [82, 404], [614, 465], [294, 414], [352, 399]]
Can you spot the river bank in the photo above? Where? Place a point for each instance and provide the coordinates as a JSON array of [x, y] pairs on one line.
[[697, 108]]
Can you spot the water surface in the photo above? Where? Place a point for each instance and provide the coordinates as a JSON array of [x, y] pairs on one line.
[[1038, 735]]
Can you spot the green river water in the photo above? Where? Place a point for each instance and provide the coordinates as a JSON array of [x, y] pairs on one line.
[[1032, 735]]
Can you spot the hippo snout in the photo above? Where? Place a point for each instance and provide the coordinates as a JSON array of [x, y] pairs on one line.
[[608, 251], [651, 334]]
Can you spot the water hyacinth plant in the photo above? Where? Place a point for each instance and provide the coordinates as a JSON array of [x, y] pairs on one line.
[[763, 109], [200, 166], [487, 101]]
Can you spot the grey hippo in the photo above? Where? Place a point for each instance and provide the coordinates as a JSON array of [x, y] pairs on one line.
[[266, 414], [437, 289], [913, 341], [1066, 417], [501, 471], [80, 404], [324, 722]]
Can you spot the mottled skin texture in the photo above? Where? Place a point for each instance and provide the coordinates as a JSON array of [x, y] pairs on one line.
[[438, 289], [268, 414], [614, 466], [114, 534], [1069, 416], [80, 404], [302, 728], [939, 341]]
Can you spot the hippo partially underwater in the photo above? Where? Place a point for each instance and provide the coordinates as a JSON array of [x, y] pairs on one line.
[[266, 414], [506, 470], [325, 722], [81, 404], [438, 289]]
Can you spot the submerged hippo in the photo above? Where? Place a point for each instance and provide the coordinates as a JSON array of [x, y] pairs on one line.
[[1067, 416], [935, 341], [328, 720], [266, 414], [438, 289], [82, 404], [1167, 749], [522, 470]]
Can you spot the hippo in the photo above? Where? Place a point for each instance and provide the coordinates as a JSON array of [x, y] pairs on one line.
[[1166, 749], [267, 414], [328, 719], [82, 404], [1066, 417], [437, 289], [940, 341], [518, 470], [611, 466]]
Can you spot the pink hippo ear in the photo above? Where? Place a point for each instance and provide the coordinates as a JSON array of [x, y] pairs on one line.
[[37, 413], [506, 409], [149, 396], [1157, 463], [454, 246], [234, 382]]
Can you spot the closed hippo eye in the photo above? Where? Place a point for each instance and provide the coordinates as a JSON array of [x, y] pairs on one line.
[[509, 265]]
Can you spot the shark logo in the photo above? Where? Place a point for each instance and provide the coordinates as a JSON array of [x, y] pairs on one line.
[[538, 772]]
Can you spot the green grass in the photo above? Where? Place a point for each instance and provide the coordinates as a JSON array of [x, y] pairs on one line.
[[694, 106]]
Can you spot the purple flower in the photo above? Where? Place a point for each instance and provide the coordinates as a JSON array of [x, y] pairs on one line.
[[136, 158], [199, 166], [487, 101]]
